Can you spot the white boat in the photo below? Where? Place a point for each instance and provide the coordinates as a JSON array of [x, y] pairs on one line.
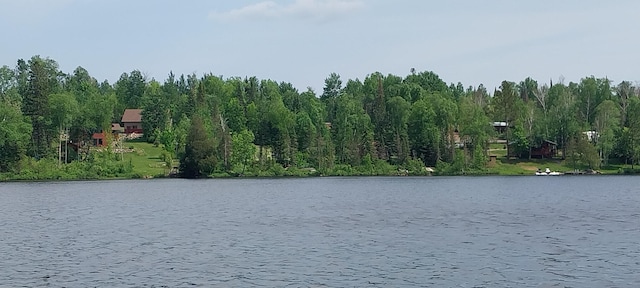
[[547, 172]]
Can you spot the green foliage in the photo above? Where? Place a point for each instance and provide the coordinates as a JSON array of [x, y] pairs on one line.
[[415, 167], [352, 131], [41, 83], [383, 125], [199, 158], [457, 167], [507, 106], [243, 149], [63, 108], [479, 160], [424, 132], [519, 142], [130, 89], [606, 119], [100, 165], [582, 153], [168, 138], [156, 110], [9, 94], [14, 136]]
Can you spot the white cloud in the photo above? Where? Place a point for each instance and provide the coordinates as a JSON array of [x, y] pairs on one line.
[[313, 9]]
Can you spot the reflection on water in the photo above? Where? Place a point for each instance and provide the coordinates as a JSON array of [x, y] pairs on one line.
[[323, 232]]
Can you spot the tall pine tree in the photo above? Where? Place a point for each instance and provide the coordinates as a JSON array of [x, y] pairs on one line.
[[41, 83]]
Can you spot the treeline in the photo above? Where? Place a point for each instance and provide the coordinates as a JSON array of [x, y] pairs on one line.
[[376, 126]]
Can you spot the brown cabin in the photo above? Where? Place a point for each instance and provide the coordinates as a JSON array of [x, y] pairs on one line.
[[132, 121], [548, 149], [99, 138]]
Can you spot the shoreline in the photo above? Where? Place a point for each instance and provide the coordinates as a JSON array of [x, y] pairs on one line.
[[151, 178]]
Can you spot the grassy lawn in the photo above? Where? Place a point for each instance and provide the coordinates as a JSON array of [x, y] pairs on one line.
[[145, 159], [499, 150], [529, 167], [526, 167]]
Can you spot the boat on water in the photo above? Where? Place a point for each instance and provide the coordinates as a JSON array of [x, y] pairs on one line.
[[547, 172]]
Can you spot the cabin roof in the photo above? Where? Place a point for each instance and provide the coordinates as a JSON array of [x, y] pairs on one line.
[[132, 116]]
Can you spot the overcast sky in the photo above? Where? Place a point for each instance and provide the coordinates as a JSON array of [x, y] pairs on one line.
[[303, 41]]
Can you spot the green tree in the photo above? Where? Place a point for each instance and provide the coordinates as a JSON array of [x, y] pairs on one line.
[[429, 81], [563, 121], [290, 97], [529, 124], [634, 130], [63, 108], [582, 152], [42, 82], [169, 139], [130, 89], [305, 131], [9, 87], [156, 111], [424, 134], [95, 110], [506, 105], [606, 120], [321, 150], [199, 158], [398, 109], [624, 92], [243, 148], [590, 93], [379, 116], [541, 95], [235, 115], [623, 148], [180, 131], [352, 131], [475, 130], [14, 136], [332, 89], [528, 89], [221, 130], [82, 85], [446, 113]]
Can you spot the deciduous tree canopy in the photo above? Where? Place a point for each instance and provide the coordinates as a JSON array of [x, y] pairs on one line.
[[218, 125]]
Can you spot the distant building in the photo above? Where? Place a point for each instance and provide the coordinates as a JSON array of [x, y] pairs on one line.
[[132, 121], [500, 127], [99, 139], [548, 149], [116, 128]]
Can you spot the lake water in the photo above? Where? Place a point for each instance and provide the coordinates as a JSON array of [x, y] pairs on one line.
[[575, 231]]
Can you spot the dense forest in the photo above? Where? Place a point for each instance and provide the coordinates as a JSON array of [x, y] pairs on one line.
[[249, 126]]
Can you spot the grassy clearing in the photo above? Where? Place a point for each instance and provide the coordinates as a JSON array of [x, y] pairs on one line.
[[526, 167], [145, 159], [529, 167], [499, 150]]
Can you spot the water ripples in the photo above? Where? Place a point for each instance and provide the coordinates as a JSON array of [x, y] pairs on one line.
[[322, 232]]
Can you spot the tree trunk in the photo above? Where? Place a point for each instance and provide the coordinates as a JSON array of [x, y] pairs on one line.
[[507, 139], [66, 145], [59, 146]]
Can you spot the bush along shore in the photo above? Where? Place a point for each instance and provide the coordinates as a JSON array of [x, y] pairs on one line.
[[145, 161]]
